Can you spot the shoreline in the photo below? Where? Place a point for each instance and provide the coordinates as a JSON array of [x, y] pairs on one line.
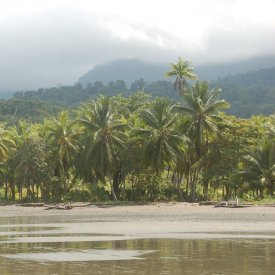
[[161, 220]]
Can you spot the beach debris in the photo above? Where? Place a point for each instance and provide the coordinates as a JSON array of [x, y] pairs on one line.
[[230, 204], [67, 206], [31, 204], [59, 207], [208, 203]]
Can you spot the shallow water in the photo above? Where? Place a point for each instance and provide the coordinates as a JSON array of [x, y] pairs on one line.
[[48, 247]]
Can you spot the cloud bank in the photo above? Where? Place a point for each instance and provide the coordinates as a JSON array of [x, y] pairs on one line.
[[47, 43]]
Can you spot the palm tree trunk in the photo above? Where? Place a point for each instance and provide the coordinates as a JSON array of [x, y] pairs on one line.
[[176, 179], [199, 138], [205, 189], [193, 185], [113, 193], [6, 190], [179, 179]]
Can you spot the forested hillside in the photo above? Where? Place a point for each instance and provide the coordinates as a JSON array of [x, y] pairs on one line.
[[72, 96], [13, 110], [249, 94]]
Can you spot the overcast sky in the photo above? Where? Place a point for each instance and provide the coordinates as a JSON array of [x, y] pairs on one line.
[[44, 43]]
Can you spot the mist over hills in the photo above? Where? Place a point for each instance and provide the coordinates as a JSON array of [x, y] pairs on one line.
[[130, 70]]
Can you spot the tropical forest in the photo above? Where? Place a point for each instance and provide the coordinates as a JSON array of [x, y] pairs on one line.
[[184, 143]]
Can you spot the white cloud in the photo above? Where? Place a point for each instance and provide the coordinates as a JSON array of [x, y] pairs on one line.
[[56, 41]]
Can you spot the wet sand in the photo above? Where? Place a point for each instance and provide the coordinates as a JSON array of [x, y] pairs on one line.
[[156, 239], [162, 220]]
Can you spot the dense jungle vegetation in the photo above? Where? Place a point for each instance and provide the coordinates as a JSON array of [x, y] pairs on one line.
[[252, 93], [138, 148]]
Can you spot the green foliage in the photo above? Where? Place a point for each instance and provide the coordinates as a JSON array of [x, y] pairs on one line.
[[183, 71], [260, 167], [31, 168], [149, 186], [135, 147], [16, 109], [267, 200], [249, 94], [160, 141], [252, 93]]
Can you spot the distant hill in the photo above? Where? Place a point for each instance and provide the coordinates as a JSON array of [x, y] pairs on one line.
[[215, 71], [251, 93], [130, 70], [127, 70]]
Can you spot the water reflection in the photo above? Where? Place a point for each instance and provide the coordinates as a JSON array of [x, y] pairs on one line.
[[171, 256], [22, 251]]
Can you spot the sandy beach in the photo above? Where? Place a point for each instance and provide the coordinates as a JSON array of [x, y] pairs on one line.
[[158, 238], [172, 220]]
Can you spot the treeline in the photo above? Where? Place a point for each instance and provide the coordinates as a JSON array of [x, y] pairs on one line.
[[136, 149], [13, 110], [73, 96], [141, 148], [249, 94]]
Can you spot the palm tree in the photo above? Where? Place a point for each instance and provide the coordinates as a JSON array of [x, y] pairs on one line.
[[30, 166], [18, 135], [63, 136], [202, 105], [161, 143], [260, 167], [7, 147], [6, 143], [182, 71], [105, 136]]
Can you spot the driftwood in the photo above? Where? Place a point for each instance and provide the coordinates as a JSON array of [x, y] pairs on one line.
[[68, 206], [31, 204], [230, 204], [81, 204], [58, 207], [208, 203], [63, 206]]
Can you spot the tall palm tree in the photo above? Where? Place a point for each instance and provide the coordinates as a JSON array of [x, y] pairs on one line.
[[64, 139], [182, 70], [202, 105], [162, 143], [105, 134]]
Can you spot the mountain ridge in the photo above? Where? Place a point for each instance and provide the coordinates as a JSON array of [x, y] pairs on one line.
[[132, 69]]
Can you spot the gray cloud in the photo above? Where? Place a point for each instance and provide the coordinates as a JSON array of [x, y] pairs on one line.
[[58, 46]]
